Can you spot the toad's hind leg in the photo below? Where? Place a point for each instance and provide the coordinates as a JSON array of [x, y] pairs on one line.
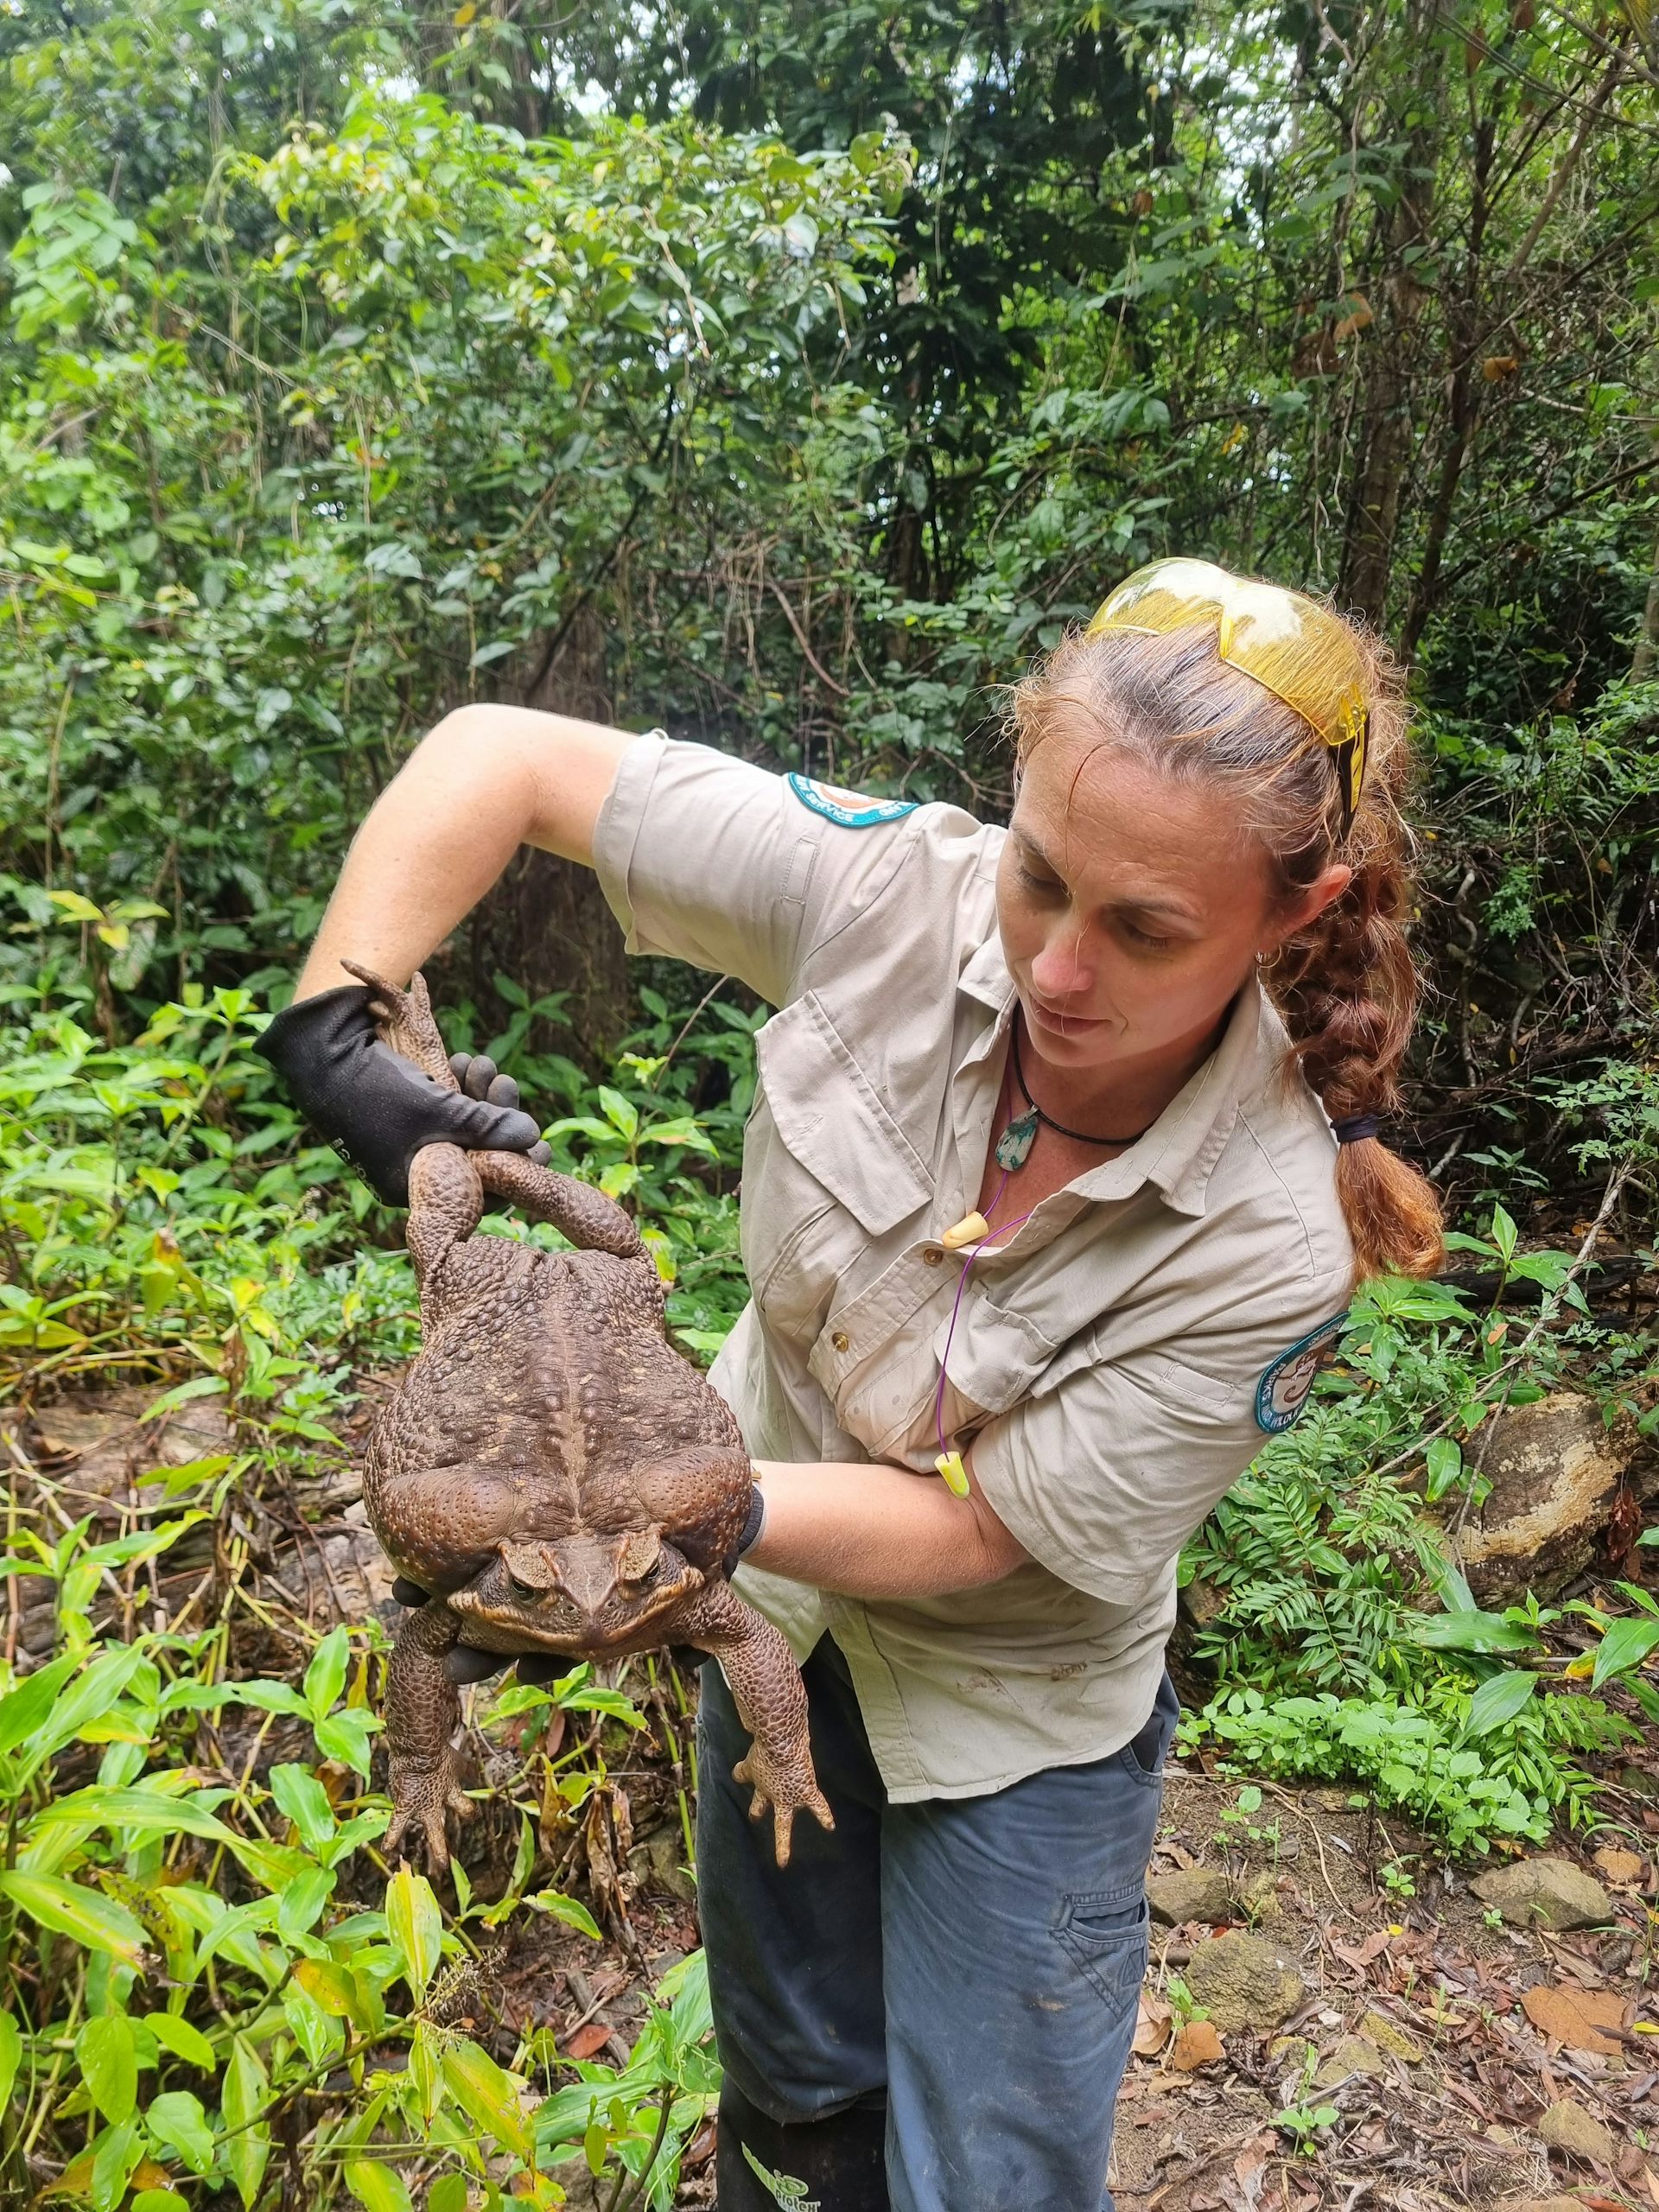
[[422, 1707], [770, 1699], [591, 1221]]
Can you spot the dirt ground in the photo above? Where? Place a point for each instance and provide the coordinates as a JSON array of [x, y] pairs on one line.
[[1417, 2045]]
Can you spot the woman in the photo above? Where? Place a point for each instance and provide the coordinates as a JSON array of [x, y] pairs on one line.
[[1049, 1208]]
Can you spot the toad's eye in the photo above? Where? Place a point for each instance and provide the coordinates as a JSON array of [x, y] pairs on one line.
[[522, 1589]]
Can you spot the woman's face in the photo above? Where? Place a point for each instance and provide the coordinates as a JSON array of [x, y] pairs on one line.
[[1130, 909]]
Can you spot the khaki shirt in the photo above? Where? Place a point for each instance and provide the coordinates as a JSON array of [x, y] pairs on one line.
[[1106, 1361]]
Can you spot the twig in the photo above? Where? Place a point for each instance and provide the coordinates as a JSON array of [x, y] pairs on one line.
[[793, 621]]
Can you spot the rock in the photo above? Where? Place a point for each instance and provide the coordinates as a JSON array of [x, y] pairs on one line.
[[1382, 2031], [1556, 1471], [1290, 2051], [1353, 2054], [1551, 1892], [1566, 2126], [1245, 1982], [1202, 1893], [658, 1862]]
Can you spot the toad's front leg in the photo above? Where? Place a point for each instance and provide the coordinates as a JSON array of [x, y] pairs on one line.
[[770, 1699], [422, 1707]]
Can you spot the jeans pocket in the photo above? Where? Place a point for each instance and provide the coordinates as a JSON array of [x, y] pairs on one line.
[[1107, 1933], [1143, 1756]]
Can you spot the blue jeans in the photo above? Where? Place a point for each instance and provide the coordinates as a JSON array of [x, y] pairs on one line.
[[976, 1960]]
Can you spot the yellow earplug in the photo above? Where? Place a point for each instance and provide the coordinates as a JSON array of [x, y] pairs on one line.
[[968, 1230], [956, 1475]]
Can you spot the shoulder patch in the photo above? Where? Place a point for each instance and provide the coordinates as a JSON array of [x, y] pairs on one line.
[[863, 816], [1284, 1387]]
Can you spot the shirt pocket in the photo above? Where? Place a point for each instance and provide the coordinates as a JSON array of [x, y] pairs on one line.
[[826, 1171]]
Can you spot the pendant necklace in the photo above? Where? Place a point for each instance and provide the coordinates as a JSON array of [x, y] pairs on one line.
[[1013, 1146], [1013, 1150]]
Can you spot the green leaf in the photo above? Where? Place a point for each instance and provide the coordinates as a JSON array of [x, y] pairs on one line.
[[119, 2149], [107, 2052], [177, 2036], [11, 2055], [1471, 1631], [22, 1710], [344, 1735], [490, 2096], [177, 2121], [448, 2194], [325, 1677], [67, 1908], [304, 1800], [1625, 1645], [570, 1910], [416, 1927], [1444, 1463], [302, 1900], [135, 1808], [158, 2200], [1498, 1699], [622, 1115], [1503, 1233], [380, 2188], [247, 2146]]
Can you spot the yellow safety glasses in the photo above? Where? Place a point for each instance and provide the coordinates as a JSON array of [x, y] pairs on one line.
[[1288, 643]]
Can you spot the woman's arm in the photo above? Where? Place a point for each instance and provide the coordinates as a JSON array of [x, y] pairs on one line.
[[875, 1531], [485, 780]]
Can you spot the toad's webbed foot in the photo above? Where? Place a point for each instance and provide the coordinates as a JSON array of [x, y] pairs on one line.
[[770, 1699], [422, 1710]]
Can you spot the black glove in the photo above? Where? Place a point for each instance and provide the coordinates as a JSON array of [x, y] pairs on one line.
[[376, 1108]]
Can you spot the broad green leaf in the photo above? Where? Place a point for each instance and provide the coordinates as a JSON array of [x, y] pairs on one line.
[[1625, 1645], [304, 1800], [1503, 1232], [489, 2095], [416, 1927], [183, 2040], [377, 2188], [448, 2194], [11, 2055], [570, 1910], [302, 1900], [621, 1113], [22, 1709], [144, 1809], [325, 1677], [1498, 1699], [82, 1701], [330, 1985], [107, 2052], [1443, 1462], [1471, 1631], [178, 2122], [344, 1735], [158, 2200], [119, 2149], [426, 2068], [84, 1916], [247, 2146]]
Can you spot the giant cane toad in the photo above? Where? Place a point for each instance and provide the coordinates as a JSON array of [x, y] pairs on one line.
[[551, 1471]]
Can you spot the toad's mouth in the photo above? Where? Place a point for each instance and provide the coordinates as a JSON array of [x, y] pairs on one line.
[[578, 1599]]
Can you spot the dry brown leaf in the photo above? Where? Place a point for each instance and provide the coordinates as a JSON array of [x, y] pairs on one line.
[[1198, 2044], [1624, 1867], [587, 2039], [1575, 2017], [1151, 2022]]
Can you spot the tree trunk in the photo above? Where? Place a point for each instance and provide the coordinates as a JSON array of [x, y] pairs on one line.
[[1374, 502]]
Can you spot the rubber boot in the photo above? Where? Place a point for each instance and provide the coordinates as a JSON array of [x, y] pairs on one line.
[[837, 2164]]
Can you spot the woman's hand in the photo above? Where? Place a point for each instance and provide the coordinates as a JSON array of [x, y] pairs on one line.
[[868, 1530]]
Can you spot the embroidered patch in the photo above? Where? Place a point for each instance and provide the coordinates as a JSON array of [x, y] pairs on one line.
[[864, 816], [1283, 1391]]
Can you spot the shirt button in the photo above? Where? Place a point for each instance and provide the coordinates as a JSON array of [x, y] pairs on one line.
[[841, 1340], [932, 1257]]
